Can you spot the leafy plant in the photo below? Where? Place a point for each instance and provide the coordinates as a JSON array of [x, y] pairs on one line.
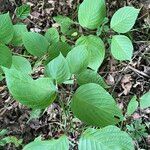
[[78, 62]]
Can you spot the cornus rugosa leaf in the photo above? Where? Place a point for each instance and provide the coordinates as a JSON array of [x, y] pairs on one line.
[[58, 69], [36, 94], [145, 100], [23, 11], [6, 29], [121, 47], [61, 144], [124, 19], [132, 106], [35, 43], [95, 106], [52, 35], [89, 76], [19, 29], [5, 56], [92, 13], [78, 59], [21, 64], [96, 49], [108, 138]]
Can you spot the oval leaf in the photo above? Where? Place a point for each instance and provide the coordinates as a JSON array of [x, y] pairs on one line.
[[5, 56], [52, 35], [124, 19], [78, 59], [6, 29], [19, 29], [145, 100], [58, 69], [95, 106], [96, 49], [121, 47], [36, 94], [91, 14], [61, 144], [89, 76], [108, 138], [35, 43], [21, 64]]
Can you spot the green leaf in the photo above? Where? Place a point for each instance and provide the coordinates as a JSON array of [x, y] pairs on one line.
[[21, 64], [124, 19], [145, 100], [37, 94], [23, 11], [65, 24], [6, 28], [35, 43], [61, 144], [19, 29], [58, 69], [95, 106], [52, 35], [89, 76], [121, 47], [91, 14], [96, 48], [5, 56], [132, 106], [78, 59], [56, 48], [108, 138]]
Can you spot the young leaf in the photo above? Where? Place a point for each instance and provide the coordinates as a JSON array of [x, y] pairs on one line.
[[89, 76], [95, 106], [23, 11], [121, 47], [19, 29], [6, 28], [21, 64], [132, 106], [36, 94], [91, 14], [52, 35], [56, 48], [145, 100], [108, 138], [78, 59], [58, 69], [5, 56], [124, 19], [61, 144], [96, 49], [35, 43], [65, 24]]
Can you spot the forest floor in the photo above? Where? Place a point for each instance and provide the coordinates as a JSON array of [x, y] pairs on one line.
[[126, 79]]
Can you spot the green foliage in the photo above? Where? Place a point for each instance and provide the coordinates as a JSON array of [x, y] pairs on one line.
[[96, 49], [23, 11], [6, 28], [62, 144], [35, 43], [89, 76], [91, 14], [132, 106], [145, 100], [78, 59], [124, 19], [36, 94], [91, 103], [121, 47], [5, 56], [58, 69]]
